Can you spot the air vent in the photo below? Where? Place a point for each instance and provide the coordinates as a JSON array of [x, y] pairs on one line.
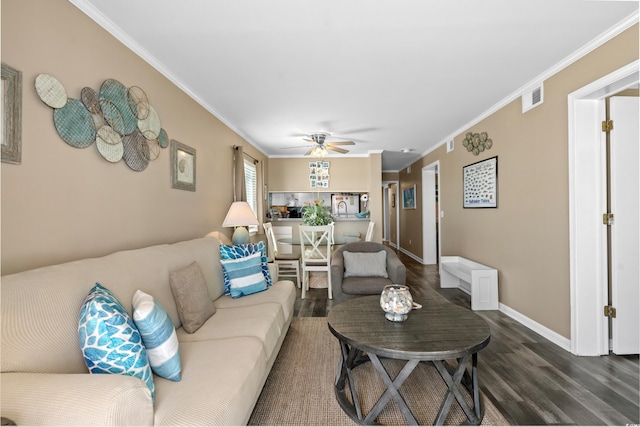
[[450, 146], [533, 97]]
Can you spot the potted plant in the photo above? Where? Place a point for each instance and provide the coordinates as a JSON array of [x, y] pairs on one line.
[[316, 213]]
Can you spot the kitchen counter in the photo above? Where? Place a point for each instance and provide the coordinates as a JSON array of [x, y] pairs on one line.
[[349, 218]]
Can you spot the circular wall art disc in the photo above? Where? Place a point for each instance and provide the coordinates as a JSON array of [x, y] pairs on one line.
[[74, 124], [138, 102], [51, 91], [90, 99], [116, 93], [109, 144], [136, 151], [163, 139], [150, 126]]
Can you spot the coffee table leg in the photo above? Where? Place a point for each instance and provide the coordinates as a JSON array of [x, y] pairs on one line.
[[349, 358], [392, 390], [453, 384]]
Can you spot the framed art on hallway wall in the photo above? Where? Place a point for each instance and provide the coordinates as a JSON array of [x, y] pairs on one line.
[[409, 197]]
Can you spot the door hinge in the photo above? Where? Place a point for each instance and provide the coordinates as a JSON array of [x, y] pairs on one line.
[[607, 219], [609, 311], [607, 125]]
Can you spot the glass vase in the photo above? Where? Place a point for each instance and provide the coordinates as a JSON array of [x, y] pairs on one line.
[[396, 301]]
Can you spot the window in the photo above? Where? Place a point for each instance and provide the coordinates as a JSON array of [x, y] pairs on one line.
[[251, 184]]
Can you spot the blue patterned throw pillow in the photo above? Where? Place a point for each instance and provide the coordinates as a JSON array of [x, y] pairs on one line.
[[228, 252], [158, 335], [245, 275], [110, 341]]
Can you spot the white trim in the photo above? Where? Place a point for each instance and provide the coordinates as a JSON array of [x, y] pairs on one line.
[[536, 327], [429, 215], [617, 29], [92, 12], [587, 203], [409, 254]]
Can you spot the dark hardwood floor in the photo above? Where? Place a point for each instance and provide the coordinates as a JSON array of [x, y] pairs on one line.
[[529, 379]]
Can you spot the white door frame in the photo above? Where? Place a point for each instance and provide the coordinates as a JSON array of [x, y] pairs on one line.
[[385, 184], [430, 240], [587, 203]]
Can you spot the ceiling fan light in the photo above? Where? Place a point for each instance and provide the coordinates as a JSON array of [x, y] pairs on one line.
[[319, 151]]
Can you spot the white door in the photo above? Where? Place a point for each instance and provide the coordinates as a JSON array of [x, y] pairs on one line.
[[625, 253]]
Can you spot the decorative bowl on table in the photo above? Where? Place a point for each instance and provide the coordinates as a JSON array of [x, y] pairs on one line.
[[396, 301]]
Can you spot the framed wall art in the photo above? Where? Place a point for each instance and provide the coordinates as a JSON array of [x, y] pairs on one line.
[[409, 197], [480, 181], [11, 115], [183, 166]]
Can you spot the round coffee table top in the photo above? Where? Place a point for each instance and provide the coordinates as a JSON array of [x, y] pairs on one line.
[[439, 330]]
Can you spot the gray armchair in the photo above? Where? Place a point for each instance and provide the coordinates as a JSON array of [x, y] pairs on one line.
[[348, 287]]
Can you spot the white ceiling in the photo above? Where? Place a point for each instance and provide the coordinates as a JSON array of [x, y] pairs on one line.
[[387, 74]]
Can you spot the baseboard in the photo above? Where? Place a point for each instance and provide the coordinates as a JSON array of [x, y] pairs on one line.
[[536, 327], [409, 254]]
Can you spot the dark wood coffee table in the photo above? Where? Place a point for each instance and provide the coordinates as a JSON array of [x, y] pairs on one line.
[[437, 332]]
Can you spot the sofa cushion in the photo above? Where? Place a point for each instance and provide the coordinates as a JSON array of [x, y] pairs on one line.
[[282, 292], [240, 251], [264, 323], [364, 285], [365, 264], [158, 335], [221, 382], [245, 275], [191, 296], [110, 341]]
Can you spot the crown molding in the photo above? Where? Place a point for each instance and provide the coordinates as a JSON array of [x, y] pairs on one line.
[[612, 32]]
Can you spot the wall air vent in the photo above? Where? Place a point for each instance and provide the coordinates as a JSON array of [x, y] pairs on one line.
[[532, 97]]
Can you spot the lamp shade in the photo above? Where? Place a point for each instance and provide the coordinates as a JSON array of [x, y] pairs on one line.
[[240, 214]]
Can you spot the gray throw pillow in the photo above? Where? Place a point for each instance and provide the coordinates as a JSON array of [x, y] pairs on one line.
[[365, 264], [191, 296]]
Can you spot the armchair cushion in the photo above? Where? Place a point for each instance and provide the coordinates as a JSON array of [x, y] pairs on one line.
[[365, 264]]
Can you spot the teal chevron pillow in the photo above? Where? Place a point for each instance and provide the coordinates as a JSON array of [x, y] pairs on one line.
[[245, 275], [110, 341], [239, 251], [158, 335]]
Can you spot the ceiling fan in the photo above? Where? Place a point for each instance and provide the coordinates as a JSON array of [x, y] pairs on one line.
[[321, 146]]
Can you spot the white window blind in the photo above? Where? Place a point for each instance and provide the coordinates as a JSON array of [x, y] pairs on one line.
[[251, 184]]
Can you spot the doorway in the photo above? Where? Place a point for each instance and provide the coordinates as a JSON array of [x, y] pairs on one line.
[[430, 214], [588, 251]]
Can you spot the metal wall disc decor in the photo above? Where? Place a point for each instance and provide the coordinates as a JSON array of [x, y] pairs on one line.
[[136, 151], [138, 102], [109, 144], [476, 143], [51, 91], [74, 124], [120, 120], [150, 126], [163, 139], [116, 93], [90, 99]]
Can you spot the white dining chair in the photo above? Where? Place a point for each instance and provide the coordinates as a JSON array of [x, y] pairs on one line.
[[369, 235], [287, 265], [315, 251]]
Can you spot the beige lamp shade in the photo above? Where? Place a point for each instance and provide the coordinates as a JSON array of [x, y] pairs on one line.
[[240, 215]]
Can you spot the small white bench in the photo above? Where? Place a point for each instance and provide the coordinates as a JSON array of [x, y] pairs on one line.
[[477, 280]]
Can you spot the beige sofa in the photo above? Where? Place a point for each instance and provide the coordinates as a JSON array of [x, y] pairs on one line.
[[225, 363]]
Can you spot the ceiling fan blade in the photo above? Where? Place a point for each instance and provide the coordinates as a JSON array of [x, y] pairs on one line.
[[339, 150], [341, 143], [308, 152], [295, 146]]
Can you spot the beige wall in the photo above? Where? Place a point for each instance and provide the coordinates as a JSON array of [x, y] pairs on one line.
[[527, 237], [64, 203]]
